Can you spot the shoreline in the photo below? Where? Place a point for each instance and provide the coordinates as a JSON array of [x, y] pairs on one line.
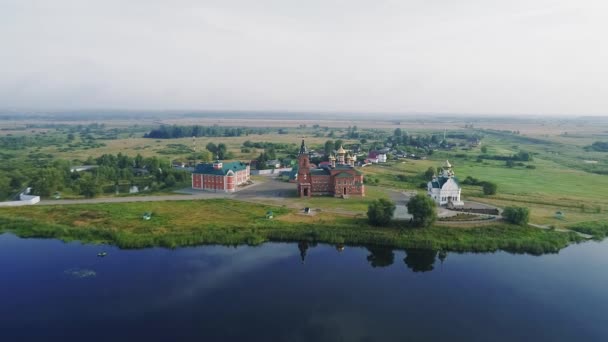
[[228, 222]]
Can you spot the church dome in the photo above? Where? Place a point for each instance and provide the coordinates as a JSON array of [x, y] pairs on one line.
[[341, 150], [447, 164]]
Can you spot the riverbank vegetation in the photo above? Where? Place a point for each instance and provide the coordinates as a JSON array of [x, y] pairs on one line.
[[229, 222]]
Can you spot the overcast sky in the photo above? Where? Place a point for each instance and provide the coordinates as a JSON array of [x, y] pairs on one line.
[[445, 56]]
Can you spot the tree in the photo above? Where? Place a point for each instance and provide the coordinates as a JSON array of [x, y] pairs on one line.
[[211, 147], [380, 212], [489, 188], [46, 181], [222, 151], [329, 146], [509, 163], [423, 210], [523, 156], [88, 185], [517, 215], [262, 160], [170, 180], [429, 173], [337, 144], [5, 187], [484, 149]]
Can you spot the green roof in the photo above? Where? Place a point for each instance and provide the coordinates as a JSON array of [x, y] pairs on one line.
[[207, 168], [343, 175], [440, 181], [318, 172]]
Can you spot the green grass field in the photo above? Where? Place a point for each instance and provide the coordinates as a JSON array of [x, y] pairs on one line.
[[229, 222]]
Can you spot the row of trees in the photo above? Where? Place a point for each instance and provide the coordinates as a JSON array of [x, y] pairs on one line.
[[112, 171], [422, 208], [424, 212], [171, 132]]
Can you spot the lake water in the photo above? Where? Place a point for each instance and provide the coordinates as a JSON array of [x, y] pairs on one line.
[[52, 290]]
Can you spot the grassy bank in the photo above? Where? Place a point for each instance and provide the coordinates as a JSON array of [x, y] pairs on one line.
[[599, 229], [228, 222]]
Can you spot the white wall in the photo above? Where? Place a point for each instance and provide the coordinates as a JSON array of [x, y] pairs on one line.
[[25, 200], [269, 171]]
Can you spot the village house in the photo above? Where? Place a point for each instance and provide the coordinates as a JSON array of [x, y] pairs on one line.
[[338, 178], [376, 157], [218, 176], [444, 189]]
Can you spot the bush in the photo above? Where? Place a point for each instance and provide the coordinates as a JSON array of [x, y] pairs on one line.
[[472, 181], [517, 215], [532, 167], [380, 212], [423, 210], [489, 188]]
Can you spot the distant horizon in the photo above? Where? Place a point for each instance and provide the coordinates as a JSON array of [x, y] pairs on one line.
[[283, 114]]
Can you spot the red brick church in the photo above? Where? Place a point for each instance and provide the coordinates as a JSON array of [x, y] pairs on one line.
[[339, 179]]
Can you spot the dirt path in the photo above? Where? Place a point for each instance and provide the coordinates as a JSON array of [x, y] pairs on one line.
[[563, 230]]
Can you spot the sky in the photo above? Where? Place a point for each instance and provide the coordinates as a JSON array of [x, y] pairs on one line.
[[482, 57]]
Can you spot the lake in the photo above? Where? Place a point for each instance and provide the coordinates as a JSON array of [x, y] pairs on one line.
[[52, 290]]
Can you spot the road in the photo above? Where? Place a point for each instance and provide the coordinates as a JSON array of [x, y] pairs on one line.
[[269, 189]]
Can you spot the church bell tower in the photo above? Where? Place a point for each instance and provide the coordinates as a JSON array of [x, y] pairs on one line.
[[304, 184]]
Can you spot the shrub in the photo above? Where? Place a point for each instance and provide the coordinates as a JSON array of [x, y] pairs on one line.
[[517, 215], [402, 178], [489, 188]]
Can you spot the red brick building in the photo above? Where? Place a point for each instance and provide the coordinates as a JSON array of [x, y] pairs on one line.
[[218, 176], [338, 179]]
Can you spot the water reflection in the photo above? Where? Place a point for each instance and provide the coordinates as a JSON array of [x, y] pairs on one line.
[[303, 246], [420, 260], [417, 260], [380, 256]]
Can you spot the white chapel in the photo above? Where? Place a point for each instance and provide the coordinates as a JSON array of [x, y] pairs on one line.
[[444, 188]]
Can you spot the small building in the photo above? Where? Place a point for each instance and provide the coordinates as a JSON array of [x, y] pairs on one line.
[[273, 164], [377, 157], [444, 189], [81, 168], [219, 176]]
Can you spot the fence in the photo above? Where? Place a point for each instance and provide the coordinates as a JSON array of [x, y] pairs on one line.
[[269, 171]]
